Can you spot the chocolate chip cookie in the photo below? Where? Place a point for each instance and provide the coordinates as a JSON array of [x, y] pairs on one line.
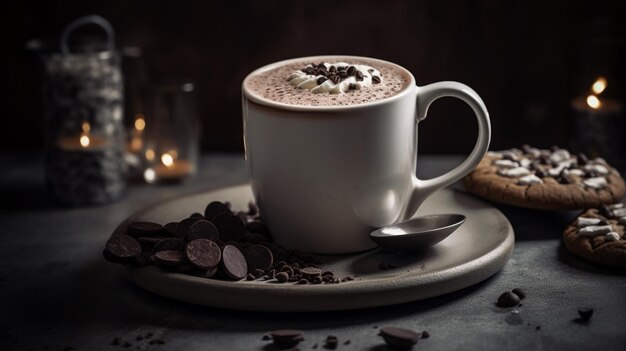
[[597, 235], [545, 179]]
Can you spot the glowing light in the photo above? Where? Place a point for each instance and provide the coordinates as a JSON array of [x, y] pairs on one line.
[[150, 155], [593, 102], [599, 85], [140, 122], [86, 127], [167, 160], [149, 175], [84, 141], [136, 144]]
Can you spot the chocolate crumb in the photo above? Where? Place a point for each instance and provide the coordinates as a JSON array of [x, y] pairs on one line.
[[585, 313], [425, 335], [347, 342], [266, 337], [331, 342], [538, 327]]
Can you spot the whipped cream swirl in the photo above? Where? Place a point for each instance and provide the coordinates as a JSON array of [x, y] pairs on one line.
[[320, 83]]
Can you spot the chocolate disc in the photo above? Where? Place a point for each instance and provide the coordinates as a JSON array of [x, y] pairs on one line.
[[147, 242], [202, 229], [143, 229], [170, 228], [169, 257], [169, 244], [286, 338], [399, 337], [215, 209], [311, 272], [183, 226], [230, 227], [258, 257], [203, 253], [234, 263], [122, 248]]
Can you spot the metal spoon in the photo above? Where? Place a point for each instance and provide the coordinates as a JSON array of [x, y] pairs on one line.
[[418, 233]]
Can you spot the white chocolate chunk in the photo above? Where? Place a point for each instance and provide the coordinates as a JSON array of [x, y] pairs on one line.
[[506, 163], [599, 160], [596, 183], [534, 152], [622, 220], [554, 172], [529, 179], [524, 162], [616, 205], [619, 212], [512, 154], [514, 172], [560, 155], [494, 154], [594, 230], [575, 171], [597, 168], [586, 221], [611, 236], [568, 163]]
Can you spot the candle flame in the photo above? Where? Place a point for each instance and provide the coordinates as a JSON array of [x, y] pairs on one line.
[[167, 160], [84, 141], [599, 85], [593, 102], [86, 127], [140, 122], [150, 154]]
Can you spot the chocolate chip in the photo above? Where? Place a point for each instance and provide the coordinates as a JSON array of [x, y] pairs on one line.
[[342, 74], [183, 226], [376, 79], [585, 313], [137, 229], [169, 244], [258, 257], [399, 337], [425, 334], [122, 248], [302, 281], [582, 159], [311, 272], [170, 228], [202, 229], [282, 277], [332, 68], [258, 227], [266, 337], [359, 76], [342, 68], [215, 209], [508, 299], [147, 242], [230, 227], [286, 338], [351, 70], [331, 342], [203, 253], [170, 258], [351, 86], [335, 79], [519, 292], [234, 263], [321, 80]]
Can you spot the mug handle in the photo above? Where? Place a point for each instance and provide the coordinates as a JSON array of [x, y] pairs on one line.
[[425, 96]]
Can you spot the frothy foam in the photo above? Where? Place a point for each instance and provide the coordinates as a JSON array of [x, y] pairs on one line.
[[275, 84]]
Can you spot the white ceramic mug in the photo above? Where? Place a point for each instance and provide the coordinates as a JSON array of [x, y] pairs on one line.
[[325, 176]]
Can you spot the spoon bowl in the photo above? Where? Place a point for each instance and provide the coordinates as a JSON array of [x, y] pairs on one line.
[[419, 233]]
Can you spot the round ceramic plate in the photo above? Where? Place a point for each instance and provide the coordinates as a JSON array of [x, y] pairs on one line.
[[477, 250]]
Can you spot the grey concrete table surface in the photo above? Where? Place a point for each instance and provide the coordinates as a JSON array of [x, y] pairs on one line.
[[56, 291]]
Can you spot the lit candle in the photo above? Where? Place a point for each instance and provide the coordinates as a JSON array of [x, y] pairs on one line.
[[84, 141], [599, 124], [170, 169]]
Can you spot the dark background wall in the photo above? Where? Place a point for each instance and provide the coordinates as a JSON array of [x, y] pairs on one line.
[[527, 59]]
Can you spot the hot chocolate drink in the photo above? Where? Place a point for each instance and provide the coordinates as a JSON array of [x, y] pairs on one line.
[[329, 81]]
